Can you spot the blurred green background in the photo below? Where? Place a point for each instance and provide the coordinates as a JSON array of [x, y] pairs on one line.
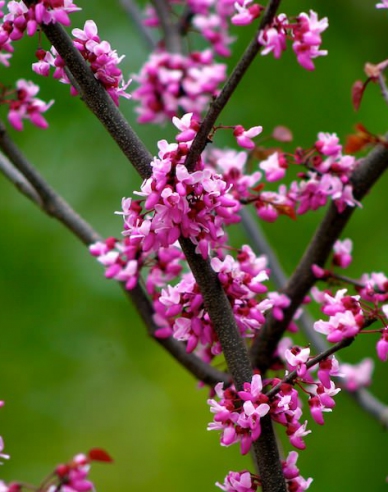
[[77, 369]]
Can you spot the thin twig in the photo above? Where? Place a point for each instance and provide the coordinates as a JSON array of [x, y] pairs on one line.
[[311, 363], [135, 17], [19, 180], [170, 29], [369, 170], [230, 86], [383, 87]]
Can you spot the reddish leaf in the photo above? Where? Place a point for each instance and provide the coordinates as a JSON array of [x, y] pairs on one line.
[[357, 93], [354, 143], [259, 187], [98, 454], [286, 210]]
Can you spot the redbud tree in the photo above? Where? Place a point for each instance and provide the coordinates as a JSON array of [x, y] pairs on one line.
[[216, 140]]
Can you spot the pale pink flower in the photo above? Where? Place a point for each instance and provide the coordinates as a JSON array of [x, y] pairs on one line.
[[357, 376], [342, 253], [274, 167], [27, 106]]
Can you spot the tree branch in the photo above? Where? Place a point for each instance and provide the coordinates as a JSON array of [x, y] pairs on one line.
[[51, 203], [98, 100], [216, 302], [220, 102], [19, 180], [369, 170], [236, 355], [171, 31]]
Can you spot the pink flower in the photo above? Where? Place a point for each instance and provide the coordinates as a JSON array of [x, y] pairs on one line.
[[245, 14], [382, 5], [297, 358], [342, 253], [328, 367], [307, 35], [274, 167], [357, 375], [328, 144], [317, 409], [295, 482], [340, 326], [74, 475], [382, 346], [296, 435], [238, 482], [239, 423], [172, 83], [27, 106], [244, 137], [273, 39]]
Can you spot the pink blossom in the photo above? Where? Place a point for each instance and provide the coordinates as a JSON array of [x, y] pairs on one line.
[[274, 167], [307, 35], [357, 376], [245, 15], [328, 144], [244, 137], [27, 106], [382, 5], [102, 60], [239, 423], [170, 83], [73, 475], [342, 253], [238, 482], [296, 435], [280, 302], [295, 482], [328, 367], [297, 358], [273, 39], [340, 326], [382, 345]]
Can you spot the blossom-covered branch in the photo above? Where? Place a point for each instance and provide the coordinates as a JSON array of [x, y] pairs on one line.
[[368, 172], [27, 179], [230, 86]]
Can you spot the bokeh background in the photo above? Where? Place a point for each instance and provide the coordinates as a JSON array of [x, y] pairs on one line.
[[77, 369]]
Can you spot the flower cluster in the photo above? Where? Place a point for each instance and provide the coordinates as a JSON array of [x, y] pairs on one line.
[[211, 18], [21, 19], [305, 32], [237, 415], [102, 60], [327, 175], [25, 105], [351, 314], [246, 482], [68, 477], [193, 205], [171, 83], [346, 316]]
